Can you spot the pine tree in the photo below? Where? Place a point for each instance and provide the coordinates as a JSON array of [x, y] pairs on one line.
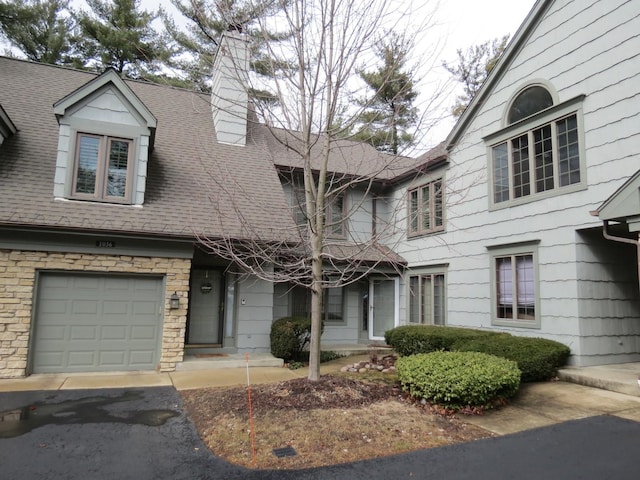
[[41, 29], [206, 21], [389, 113], [473, 67], [118, 34]]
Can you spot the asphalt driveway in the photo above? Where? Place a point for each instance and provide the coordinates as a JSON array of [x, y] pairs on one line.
[[142, 433]]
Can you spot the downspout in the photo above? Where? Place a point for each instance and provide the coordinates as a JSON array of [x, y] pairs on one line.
[[605, 225]]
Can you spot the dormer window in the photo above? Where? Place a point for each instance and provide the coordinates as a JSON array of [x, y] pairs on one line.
[[102, 169], [104, 142], [539, 152]]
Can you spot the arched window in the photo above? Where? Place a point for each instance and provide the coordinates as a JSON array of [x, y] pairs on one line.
[[532, 100], [537, 153]]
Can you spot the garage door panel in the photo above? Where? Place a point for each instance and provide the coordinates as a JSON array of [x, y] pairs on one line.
[[88, 283], [49, 358], [97, 322], [84, 307], [113, 358], [145, 308], [114, 332], [81, 358], [83, 332], [52, 332], [114, 307], [143, 333], [140, 357]]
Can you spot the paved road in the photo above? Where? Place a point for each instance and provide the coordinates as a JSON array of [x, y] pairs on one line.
[[144, 434]]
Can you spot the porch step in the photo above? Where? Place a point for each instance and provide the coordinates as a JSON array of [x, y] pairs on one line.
[[621, 378], [231, 360]]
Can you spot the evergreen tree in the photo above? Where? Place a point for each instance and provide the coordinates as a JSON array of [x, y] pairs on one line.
[[206, 21], [389, 113], [119, 35], [473, 67], [41, 29]]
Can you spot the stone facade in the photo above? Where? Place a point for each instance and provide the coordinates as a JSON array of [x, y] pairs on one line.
[[17, 281]]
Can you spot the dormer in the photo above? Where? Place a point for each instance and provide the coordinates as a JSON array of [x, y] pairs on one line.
[[105, 138], [7, 127]]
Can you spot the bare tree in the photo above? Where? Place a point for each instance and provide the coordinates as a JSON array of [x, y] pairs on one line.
[[330, 42]]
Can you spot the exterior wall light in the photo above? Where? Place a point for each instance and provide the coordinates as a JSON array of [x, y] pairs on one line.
[[174, 301]]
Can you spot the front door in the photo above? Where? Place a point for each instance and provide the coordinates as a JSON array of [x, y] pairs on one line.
[[384, 306], [205, 327]]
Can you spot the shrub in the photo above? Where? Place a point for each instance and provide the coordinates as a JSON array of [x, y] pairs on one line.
[[458, 379], [413, 339], [537, 358], [289, 336]]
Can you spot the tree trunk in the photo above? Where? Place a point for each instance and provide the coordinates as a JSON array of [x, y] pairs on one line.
[[316, 308]]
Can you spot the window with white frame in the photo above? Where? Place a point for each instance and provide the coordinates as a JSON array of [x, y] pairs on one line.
[[515, 286], [539, 152], [427, 299], [426, 208], [102, 168]]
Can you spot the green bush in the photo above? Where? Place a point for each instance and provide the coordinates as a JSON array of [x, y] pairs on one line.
[[289, 337], [412, 339], [458, 379], [537, 358]]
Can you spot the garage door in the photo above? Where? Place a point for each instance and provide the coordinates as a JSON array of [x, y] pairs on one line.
[[96, 323]]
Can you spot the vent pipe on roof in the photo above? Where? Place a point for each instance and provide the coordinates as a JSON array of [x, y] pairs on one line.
[[229, 98]]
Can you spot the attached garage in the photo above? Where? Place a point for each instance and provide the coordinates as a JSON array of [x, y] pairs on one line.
[[97, 322]]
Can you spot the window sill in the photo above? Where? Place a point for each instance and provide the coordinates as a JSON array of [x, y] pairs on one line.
[[505, 322], [94, 202], [413, 236], [538, 196]]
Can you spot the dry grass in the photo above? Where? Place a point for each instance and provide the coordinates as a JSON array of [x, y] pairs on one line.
[[336, 420]]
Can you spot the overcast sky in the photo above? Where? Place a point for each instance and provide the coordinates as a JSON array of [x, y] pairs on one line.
[[460, 24]]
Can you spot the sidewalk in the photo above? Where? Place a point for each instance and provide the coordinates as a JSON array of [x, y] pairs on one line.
[[181, 380]]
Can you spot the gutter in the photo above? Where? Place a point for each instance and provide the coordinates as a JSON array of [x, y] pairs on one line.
[[608, 236]]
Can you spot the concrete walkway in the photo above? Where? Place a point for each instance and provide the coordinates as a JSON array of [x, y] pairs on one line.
[[536, 405]]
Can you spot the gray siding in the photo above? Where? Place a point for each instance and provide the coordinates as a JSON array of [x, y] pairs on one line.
[[589, 48], [254, 314], [609, 300]]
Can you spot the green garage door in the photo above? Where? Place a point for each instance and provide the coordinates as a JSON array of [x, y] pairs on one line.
[[97, 323]]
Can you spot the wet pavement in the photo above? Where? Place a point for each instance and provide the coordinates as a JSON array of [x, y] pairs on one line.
[[143, 433]]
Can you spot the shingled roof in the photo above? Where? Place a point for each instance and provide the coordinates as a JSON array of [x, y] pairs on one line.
[[195, 186]]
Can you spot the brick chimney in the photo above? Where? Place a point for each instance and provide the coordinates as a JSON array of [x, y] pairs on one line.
[[229, 98]]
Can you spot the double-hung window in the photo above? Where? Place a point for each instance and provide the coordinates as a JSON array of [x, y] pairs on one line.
[[102, 168], [334, 212], [426, 208], [515, 286], [427, 299], [539, 153]]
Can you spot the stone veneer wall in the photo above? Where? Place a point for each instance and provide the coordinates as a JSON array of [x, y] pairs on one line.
[[17, 281]]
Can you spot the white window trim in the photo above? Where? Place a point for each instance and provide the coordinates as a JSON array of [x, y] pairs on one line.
[[524, 248], [547, 116]]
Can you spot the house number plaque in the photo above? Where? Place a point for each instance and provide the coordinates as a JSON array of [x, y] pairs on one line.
[[105, 244]]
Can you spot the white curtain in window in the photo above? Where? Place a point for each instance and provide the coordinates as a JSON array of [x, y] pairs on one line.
[[525, 281], [524, 272]]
